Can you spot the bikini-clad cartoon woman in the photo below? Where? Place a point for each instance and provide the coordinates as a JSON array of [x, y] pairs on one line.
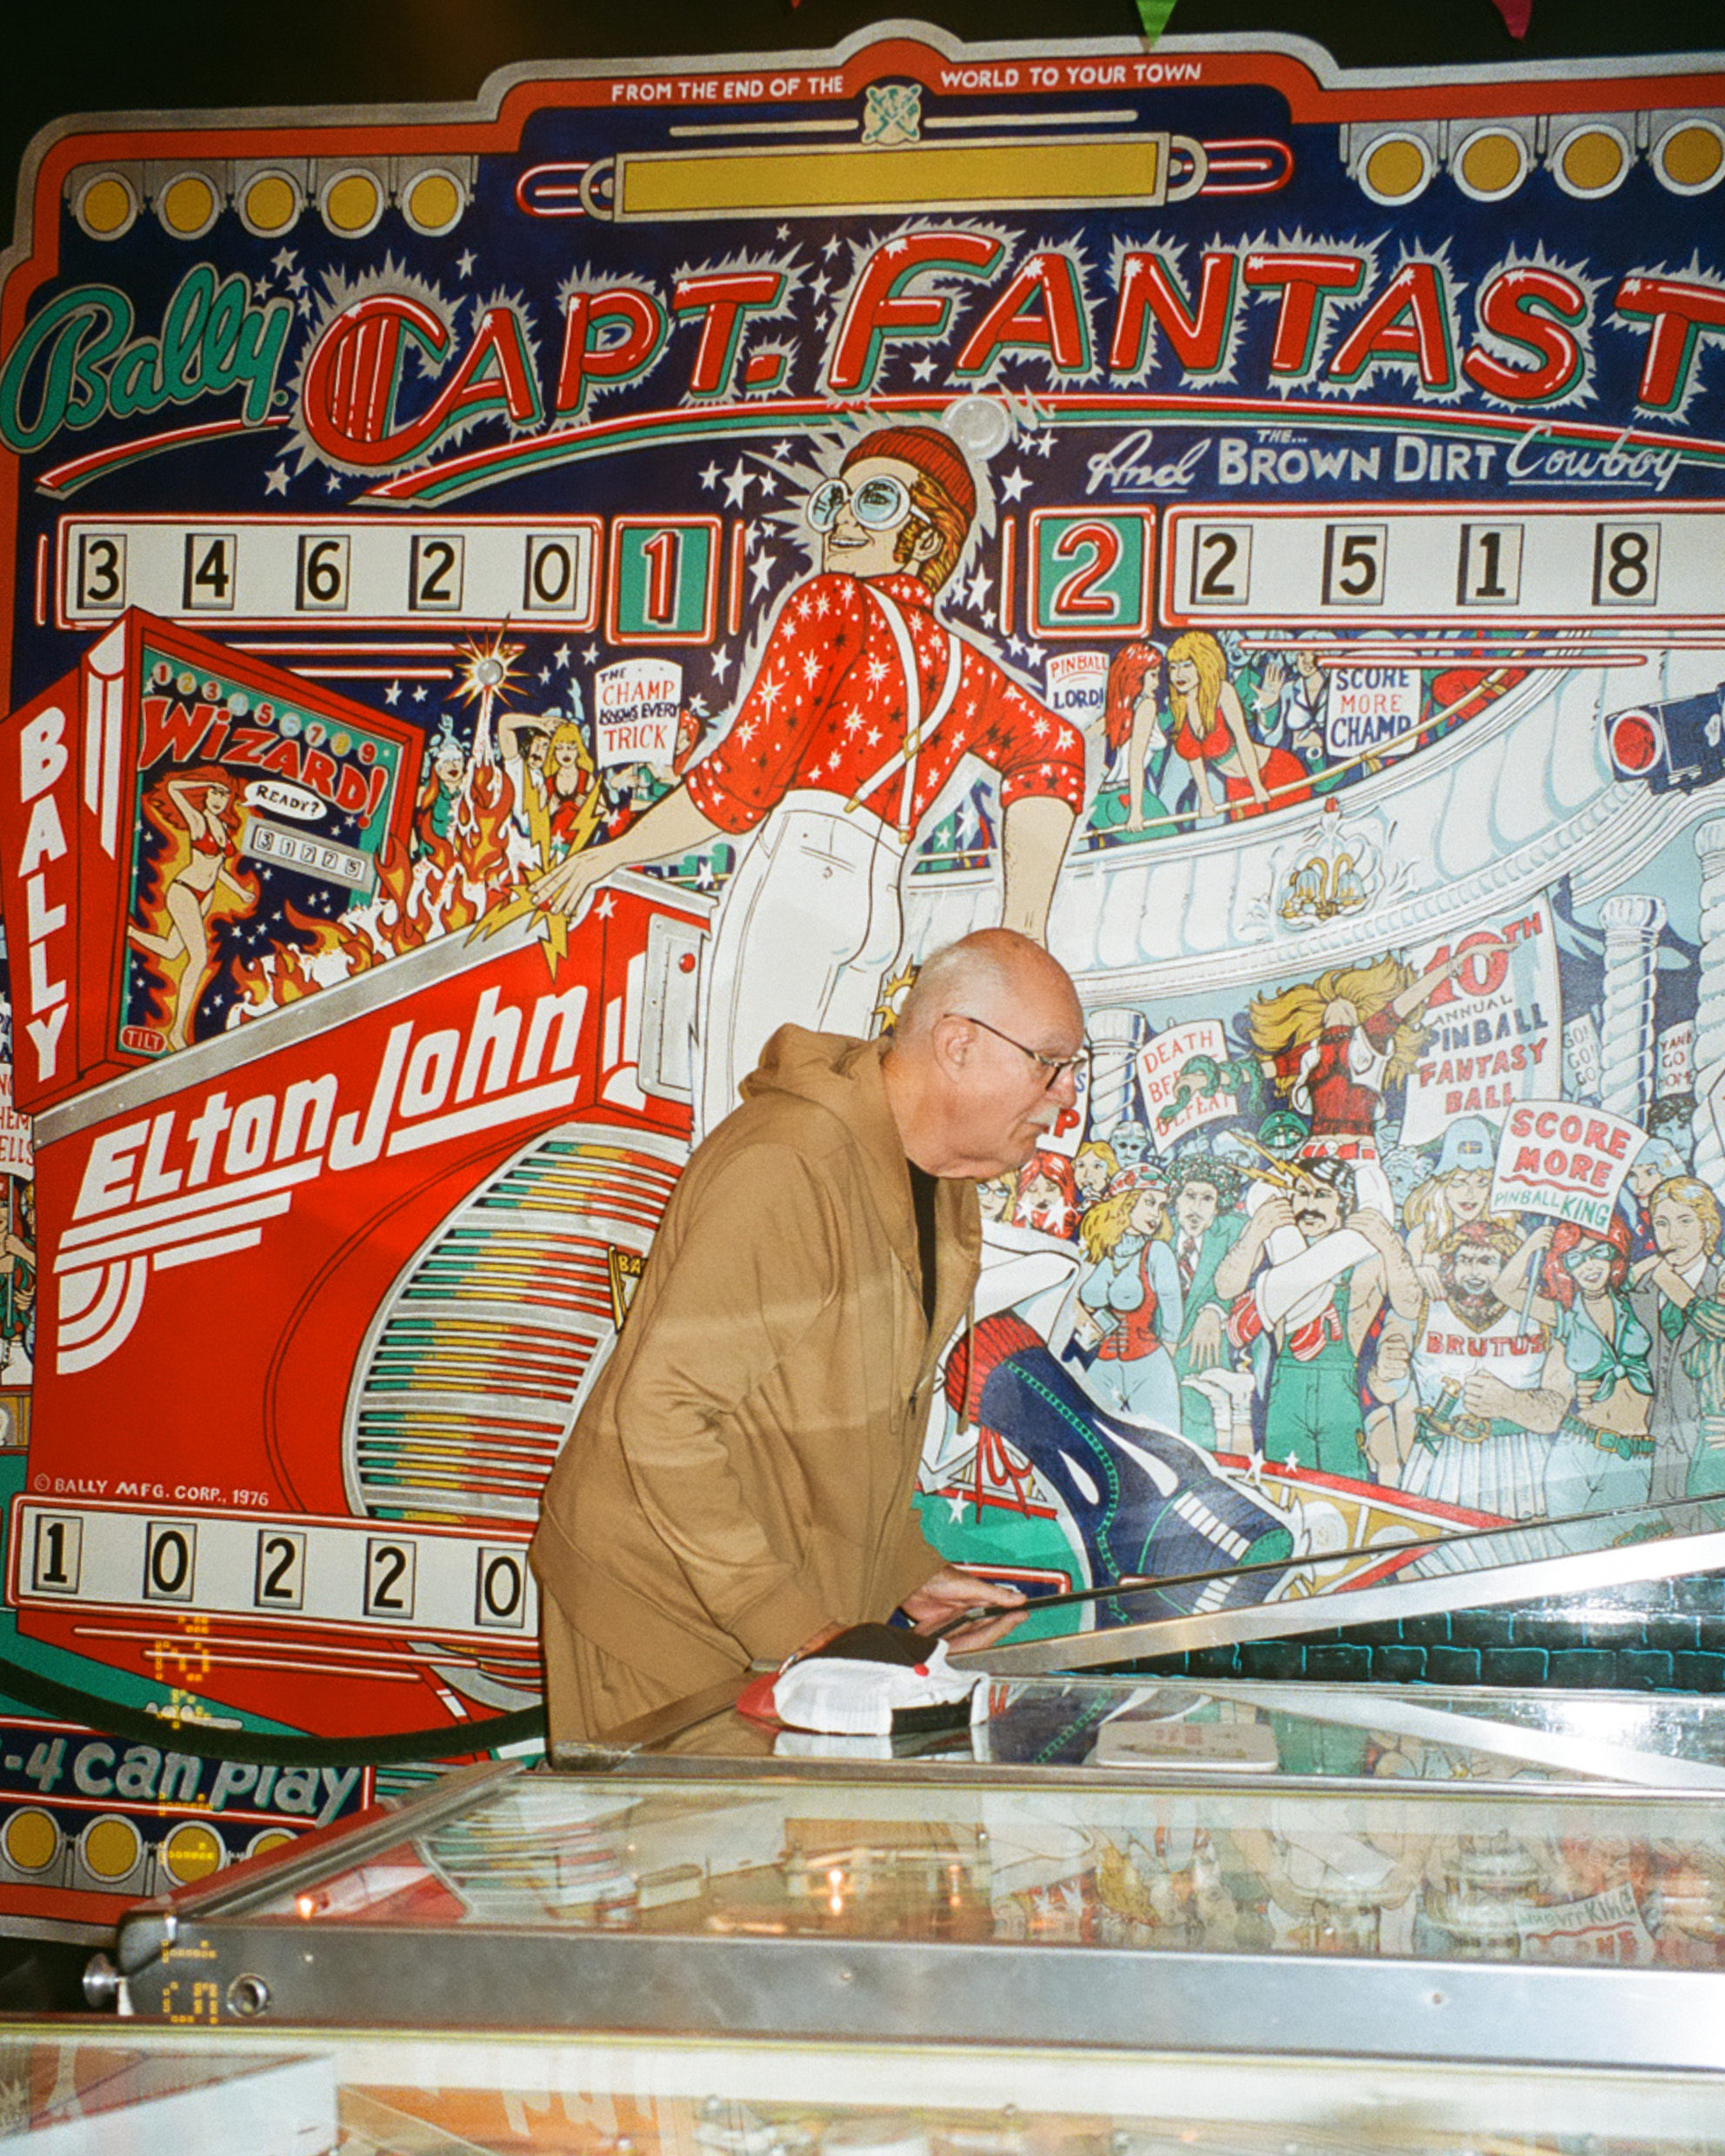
[[1598, 1375], [574, 798], [1211, 732], [191, 807], [1129, 722]]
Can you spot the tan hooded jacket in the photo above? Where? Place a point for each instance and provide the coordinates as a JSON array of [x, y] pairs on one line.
[[741, 1474]]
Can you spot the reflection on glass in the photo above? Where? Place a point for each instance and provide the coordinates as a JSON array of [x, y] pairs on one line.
[[1344, 1544], [1540, 1875], [1233, 1729], [432, 2095]]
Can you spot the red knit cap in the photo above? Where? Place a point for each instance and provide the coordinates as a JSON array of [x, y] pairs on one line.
[[929, 451]]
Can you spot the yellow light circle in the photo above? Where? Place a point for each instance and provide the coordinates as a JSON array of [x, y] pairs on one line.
[[352, 203], [271, 1837], [1592, 161], [1395, 168], [193, 1850], [1691, 158], [187, 206], [107, 207], [110, 1846], [1491, 163], [270, 203], [433, 202], [31, 1840]]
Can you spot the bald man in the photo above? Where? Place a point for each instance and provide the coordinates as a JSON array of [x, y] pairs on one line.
[[738, 1483]]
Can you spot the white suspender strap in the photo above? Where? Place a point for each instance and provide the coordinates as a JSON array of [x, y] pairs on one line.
[[917, 729]]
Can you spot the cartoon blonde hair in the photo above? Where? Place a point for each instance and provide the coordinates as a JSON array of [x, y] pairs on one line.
[[571, 730], [1428, 1206], [1109, 1218], [1688, 1190], [1295, 1016], [1097, 1149], [1206, 654], [1104, 1224]]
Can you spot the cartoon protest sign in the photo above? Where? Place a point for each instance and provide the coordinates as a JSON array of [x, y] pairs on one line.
[[1169, 502], [635, 707], [1371, 709], [1552, 1160], [1494, 1021], [1179, 1075]]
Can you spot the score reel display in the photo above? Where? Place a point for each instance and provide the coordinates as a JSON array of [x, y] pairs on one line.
[[361, 571], [1486, 564]]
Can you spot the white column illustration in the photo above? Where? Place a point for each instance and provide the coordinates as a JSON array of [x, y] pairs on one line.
[[1115, 1035], [1626, 1044], [1709, 1048]]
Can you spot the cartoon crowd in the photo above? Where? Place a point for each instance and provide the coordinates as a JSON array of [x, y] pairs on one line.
[[1288, 1286]]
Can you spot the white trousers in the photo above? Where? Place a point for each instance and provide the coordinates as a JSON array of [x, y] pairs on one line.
[[807, 927]]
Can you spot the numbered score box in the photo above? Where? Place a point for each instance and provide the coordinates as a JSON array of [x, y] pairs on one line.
[[1090, 572], [294, 1570], [662, 580], [363, 572], [1489, 564]]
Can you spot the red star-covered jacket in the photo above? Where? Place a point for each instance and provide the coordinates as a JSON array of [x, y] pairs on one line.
[[826, 711]]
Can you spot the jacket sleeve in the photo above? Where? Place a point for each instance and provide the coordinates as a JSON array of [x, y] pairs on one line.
[[1034, 752], [755, 1264], [1170, 1300]]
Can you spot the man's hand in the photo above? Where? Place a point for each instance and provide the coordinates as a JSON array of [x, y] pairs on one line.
[[1204, 1341], [1394, 1361], [948, 1593], [1274, 1213], [1484, 1394], [1665, 1277], [563, 888]]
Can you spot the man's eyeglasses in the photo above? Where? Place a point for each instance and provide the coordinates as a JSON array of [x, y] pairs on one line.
[[1052, 1067], [877, 504]]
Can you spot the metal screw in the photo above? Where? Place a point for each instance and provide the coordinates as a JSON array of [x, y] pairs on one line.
[[247, 1996]]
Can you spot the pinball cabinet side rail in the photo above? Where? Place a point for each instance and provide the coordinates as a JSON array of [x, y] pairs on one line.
[[501, 1977]]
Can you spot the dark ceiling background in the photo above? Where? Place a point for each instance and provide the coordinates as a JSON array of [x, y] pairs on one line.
[[95, 56]]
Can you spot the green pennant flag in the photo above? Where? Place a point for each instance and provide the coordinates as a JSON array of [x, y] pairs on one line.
[[1153, 18]]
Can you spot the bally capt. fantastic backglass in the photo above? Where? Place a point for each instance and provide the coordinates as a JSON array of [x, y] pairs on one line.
[[402, 506]]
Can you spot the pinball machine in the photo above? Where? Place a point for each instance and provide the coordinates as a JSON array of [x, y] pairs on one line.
[[1227, 1909]]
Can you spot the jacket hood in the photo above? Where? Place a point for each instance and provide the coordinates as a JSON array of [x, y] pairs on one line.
[[822, 1068], [842, 1076]]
